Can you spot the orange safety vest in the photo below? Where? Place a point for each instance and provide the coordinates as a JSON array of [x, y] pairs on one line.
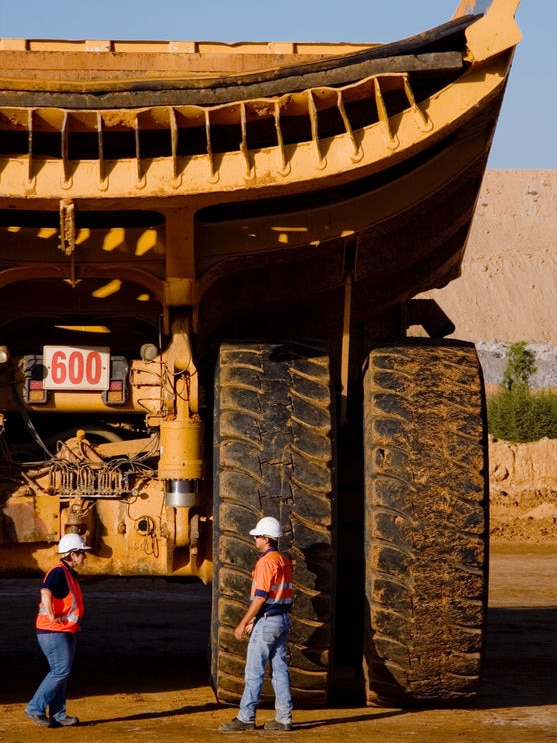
[[272, 578], [70, 607]]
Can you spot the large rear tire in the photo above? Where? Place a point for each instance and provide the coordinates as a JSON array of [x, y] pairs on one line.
[[426, 523], [273, 456]]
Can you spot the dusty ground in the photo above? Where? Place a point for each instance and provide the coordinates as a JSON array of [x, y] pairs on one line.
[[141, 676]]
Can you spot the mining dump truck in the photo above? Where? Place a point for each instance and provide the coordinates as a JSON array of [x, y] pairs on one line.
[[211, 258]]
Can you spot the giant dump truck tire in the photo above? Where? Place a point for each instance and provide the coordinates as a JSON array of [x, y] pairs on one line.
[[426, 523], [273, 456]]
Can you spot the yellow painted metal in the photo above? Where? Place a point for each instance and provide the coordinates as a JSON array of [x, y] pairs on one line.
[[32, 518], [496, 32], [166, 386], [181, 449], [138, 533], [139, 536], [345, 350], [89, 65], [202, 175], [182, 531], [204, 178], [179, 291], [134, 532], [445, 111], [181, 432]]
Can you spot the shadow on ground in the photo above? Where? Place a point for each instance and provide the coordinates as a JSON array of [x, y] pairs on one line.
[[137, 642]]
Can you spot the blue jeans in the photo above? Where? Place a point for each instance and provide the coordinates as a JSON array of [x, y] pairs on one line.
[[59, 649], [267, 642]]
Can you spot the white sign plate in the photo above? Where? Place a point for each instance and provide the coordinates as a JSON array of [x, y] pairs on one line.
[[76, 367]]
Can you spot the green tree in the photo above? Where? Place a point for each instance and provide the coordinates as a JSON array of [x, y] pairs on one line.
[[521, 365]]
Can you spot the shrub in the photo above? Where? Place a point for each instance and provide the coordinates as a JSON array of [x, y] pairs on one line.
[[519, 416], [515, 414]]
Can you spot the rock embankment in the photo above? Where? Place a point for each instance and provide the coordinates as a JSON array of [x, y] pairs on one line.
[[523, 491]]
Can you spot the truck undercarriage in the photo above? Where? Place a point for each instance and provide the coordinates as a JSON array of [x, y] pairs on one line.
[[208, 282]]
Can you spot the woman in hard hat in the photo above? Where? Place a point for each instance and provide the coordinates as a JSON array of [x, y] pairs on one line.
[[267, 623], [58, 621]]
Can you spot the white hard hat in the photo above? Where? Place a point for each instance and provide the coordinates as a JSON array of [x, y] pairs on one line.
[[267, 527], [71, 542]]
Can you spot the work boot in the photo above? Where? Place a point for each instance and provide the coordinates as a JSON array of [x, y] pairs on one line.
[[236, 726], [65, 721], [274, 725], [39, 719]]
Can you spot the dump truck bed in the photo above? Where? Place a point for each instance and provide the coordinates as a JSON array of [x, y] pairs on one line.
[[312, 159]]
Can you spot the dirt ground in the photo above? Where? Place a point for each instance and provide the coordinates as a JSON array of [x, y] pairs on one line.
[[141, 672], [138, 678]]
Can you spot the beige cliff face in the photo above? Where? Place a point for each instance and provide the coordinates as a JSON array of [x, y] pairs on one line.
[[508, 287]]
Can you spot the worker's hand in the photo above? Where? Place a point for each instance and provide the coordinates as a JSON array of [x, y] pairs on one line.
[[243, 629], [239, 631]]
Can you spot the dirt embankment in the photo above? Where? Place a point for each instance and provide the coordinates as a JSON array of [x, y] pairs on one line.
[[523, 492], [508, 286]]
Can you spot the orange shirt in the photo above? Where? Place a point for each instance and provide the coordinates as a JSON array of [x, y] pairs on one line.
[[272, 579]]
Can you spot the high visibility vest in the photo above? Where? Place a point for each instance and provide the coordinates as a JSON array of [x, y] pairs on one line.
[[70, 607], [272, 578]]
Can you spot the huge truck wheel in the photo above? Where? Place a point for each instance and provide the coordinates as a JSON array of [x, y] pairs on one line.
[[273, 456], [426, 523]]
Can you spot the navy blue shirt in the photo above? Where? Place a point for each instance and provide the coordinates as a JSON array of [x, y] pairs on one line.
[[55, 581]]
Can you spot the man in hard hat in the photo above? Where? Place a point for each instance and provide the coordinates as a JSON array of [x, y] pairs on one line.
[[267, 623], [57, 624]]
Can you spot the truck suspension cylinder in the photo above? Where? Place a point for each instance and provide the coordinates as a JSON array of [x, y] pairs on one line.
[[181, 461]]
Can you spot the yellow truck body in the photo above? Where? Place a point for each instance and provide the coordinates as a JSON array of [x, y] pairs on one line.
[[201, 247]]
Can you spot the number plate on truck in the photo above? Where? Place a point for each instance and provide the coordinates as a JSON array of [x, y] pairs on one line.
[[76, 367]]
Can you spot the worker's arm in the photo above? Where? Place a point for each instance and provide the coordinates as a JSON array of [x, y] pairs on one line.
[[253, 610], [46, 600]]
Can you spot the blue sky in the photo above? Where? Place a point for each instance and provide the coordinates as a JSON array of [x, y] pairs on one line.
[[525, 135]]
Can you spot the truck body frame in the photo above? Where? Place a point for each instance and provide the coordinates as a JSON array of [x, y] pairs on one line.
[[196, 238]]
